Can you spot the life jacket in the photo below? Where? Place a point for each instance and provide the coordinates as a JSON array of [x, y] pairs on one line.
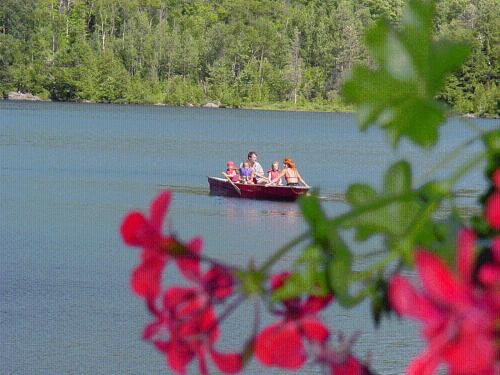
[[246, 172], [274, 174], [232, 173]]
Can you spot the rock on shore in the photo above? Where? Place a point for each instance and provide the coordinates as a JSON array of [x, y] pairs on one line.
[[17, 95], [211, 105]]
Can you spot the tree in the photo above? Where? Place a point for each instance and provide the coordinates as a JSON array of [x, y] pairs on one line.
[[293, 71]]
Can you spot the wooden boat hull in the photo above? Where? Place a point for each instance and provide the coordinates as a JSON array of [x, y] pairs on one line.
[[221, 186]]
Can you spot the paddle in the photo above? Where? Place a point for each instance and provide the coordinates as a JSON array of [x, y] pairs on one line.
[[232, 183]]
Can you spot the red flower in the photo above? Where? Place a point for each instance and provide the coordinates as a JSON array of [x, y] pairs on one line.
[[492, 210], [341, 361], [489, 275], [496, 178], [141, 231], [281, 344], [350, 366], [186, 328], [458, 322]]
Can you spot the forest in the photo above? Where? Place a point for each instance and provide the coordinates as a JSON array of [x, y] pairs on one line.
[[289, 54]]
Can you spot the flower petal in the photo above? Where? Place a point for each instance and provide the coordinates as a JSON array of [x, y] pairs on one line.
[[178, 356], [315, 304], [132, 228], [313, 330], [278, 280], [202, 363], [496, 178], [472, 353], [146, 277], [489, 274], [406, 301], [190, 267], [151, 330], [492, 210], [425, 364], [465, 254], [280, 345], [228, 363], [437, 279], [158, 209], [495, 248], [350, 366], [218, 283], [182, 302]]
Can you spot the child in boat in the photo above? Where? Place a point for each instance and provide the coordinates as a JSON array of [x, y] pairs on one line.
[[246, 173], [291, 174], [274, 173], [231, 172]]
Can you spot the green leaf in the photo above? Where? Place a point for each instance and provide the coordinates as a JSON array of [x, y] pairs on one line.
[[339, 269], [443, 243], [411, 68], [393, 218], [398, 178], [492, 141], [308, 276], [251, 281], [359, 194], [316, 218]]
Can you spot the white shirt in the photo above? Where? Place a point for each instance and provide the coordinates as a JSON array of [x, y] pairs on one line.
[[257, 169]]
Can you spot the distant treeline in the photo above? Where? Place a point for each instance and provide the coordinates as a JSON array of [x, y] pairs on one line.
[[235, 52]]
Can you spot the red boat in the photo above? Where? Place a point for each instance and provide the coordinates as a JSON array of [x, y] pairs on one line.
[[222, 186]]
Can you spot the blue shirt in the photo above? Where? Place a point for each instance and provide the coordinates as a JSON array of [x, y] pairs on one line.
[[246, 172]]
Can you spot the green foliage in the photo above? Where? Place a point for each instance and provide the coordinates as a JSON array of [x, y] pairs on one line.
[[111, 80], [309, 276], [272, 54], [411, 68], [337, 257], [393, 219], [181, 91]]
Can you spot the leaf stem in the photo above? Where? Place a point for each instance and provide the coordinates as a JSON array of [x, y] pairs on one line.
[[465, 168], [282, 251], [374, 205], [448, 158], [375, 268], [379, 203]]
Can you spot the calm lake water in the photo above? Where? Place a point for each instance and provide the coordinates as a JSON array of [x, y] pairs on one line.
[[69, 173]]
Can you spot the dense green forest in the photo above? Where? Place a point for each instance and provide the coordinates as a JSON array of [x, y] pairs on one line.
[[240, 53]]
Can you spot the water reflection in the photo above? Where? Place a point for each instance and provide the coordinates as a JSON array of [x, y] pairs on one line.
[[254, 211]]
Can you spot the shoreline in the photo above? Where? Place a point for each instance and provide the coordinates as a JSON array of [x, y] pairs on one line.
[[278, 106]]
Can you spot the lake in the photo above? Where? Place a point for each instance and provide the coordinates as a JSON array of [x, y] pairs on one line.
[[70, 172]]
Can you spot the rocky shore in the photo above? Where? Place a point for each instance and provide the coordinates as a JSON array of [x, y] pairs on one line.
[[17, 95]]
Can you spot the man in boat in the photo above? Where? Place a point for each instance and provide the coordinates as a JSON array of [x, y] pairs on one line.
[[257, 168]]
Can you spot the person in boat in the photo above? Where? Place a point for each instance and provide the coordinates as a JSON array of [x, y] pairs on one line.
[[291, 174], [274, 172], [258, 172], [232, 172], [246, 173]]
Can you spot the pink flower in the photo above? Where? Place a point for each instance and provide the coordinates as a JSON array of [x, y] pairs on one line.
[[146, 232], [281, 344], [458, 322], [492, 210], [186, 327]]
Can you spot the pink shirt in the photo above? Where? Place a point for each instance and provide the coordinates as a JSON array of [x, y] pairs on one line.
[[232, 173], [274, 174]]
